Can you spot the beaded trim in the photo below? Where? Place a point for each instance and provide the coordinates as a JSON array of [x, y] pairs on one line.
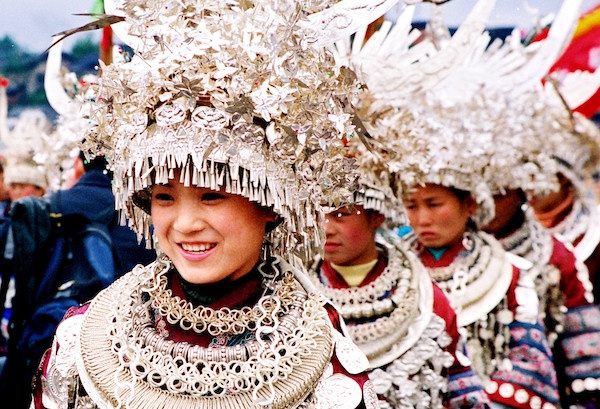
[[522, 396], [372, 299], [416, 376], [122, 365], [215, 322], [530, 241], [461, 271], [387, 302]]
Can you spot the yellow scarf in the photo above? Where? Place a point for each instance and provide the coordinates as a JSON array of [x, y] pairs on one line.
[[354, 275]]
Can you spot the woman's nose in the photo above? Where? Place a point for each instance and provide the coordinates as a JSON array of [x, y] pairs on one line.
[[421, 217], [329, 225], [189, 219], [424, 217]]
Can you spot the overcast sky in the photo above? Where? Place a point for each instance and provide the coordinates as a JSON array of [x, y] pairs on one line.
[[31, 23]]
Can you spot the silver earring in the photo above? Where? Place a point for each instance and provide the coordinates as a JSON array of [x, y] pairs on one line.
[[467, 242]]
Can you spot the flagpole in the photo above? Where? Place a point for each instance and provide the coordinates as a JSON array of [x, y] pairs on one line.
[[106, 42], [106, 45]]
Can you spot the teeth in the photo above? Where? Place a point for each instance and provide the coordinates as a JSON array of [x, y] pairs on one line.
[[196, 247]]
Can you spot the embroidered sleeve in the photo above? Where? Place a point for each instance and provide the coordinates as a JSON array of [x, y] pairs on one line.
[[580, 344], [60, 379]]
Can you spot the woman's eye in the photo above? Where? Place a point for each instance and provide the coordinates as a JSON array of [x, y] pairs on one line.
[[210, 197], [163, 197]]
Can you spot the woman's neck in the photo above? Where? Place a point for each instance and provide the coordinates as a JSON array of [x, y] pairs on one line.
[[355, 275], [554, 216], [512, 225], [437, 252], [206, 294], [440, 256]]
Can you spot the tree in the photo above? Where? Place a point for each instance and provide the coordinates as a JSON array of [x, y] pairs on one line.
[[84, 47]]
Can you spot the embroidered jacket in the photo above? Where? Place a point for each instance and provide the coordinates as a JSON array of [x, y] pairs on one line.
[[424, 366], [571, 317], [497, 311]]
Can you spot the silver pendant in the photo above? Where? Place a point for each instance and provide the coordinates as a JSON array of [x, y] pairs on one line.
[[370, 396], [338, 392], [350, 355]]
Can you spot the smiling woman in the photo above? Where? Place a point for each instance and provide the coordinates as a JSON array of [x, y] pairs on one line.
[[216, 159], [209, 235]]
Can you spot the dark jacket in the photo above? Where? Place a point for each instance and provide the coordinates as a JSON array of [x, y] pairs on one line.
[[90, 199]]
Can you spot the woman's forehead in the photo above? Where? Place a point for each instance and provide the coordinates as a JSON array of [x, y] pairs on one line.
[[429, 190]]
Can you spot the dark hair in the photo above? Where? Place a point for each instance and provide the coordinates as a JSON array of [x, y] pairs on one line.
[[95, 163], [461, 194], [522, 196]]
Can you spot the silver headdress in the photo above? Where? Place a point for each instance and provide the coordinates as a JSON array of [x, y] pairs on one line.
[[482, 123], [399, 71], [516, 114], [240, 96], [27, 140], [570, 139], [396, 68], [70, 97]]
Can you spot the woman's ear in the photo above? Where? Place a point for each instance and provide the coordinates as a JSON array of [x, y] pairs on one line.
[[377, 220], [78, 167], [271, 216], [273, 220], [470, 205]]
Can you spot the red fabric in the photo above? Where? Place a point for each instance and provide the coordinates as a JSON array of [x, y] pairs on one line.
[[335, 319], [511, 299], [447, 258], [570, 285], [593, 265], [360, 378], [512, 402], [585, 38], [243, 293], [37, 381], [442, 308], [591, 106]]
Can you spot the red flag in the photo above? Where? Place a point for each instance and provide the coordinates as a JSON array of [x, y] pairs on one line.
[[583, 53]]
